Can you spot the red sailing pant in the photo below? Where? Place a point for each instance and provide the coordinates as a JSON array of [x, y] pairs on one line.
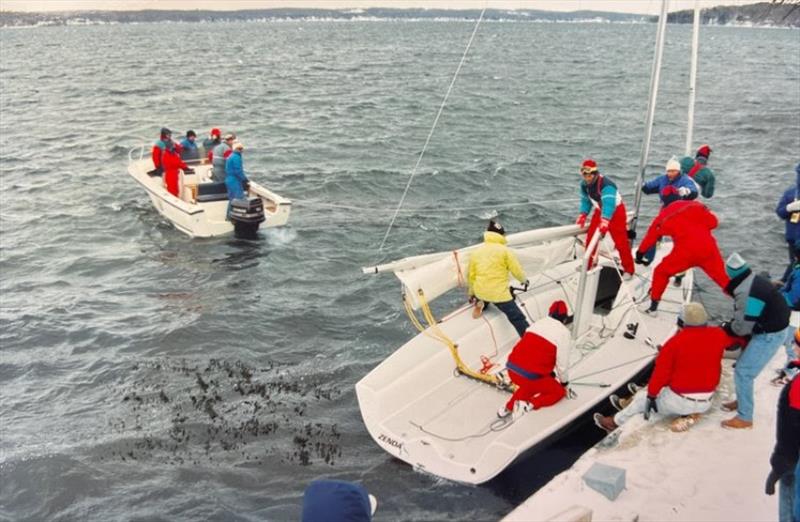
[[618, 229], [684, 257], [541, 392], [171, 180]]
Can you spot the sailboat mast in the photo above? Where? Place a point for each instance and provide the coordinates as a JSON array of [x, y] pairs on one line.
[[693, 76], [655, 73]]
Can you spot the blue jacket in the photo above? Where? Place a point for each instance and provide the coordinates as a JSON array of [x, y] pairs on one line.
[[603, 192], [189, 150], [655, 186], [791, 290], [234, 176], [792, 229], [334, 501]]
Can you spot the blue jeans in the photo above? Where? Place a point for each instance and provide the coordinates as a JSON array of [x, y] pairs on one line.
[[786, 497], [797, 492], [759, 352], [514, 315]]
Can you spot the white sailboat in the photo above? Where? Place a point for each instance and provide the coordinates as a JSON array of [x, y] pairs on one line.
[[201, 207], [433, 402]]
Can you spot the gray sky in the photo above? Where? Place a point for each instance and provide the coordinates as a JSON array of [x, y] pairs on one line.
[[622, 6]]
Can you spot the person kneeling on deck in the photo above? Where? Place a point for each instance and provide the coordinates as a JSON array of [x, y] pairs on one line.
[[487, 276], [686, 374], [235, 179], [532, 364], [689, 224], [609, 215]]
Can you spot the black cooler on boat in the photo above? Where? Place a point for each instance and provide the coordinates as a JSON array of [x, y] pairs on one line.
[[246, 215]]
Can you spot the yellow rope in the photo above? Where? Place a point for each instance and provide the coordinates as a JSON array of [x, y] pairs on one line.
[[433, 326]]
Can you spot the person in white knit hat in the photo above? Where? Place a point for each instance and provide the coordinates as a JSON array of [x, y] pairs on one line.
[[683, 184]]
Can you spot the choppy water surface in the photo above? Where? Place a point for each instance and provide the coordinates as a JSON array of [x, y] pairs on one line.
[[148, 375]]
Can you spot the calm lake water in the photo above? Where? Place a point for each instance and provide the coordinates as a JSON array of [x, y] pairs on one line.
[[148, 376]]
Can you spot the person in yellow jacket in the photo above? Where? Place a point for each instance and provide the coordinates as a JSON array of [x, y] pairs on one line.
[[487, 276]]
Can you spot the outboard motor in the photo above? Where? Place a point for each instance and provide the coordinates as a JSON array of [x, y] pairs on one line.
[[246, 215]]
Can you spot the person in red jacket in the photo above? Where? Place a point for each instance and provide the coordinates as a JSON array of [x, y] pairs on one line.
[[689, 224], [686, 374], [158, 150], [172, 162], [784, 460], [532, 364]]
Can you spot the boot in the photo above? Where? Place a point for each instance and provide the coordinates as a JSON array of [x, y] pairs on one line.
[[634, 388], [684, 423], [652, 311], [730, 406], [605, 423], [503, 412], [619, 403], [477, 310], [737, 424], [678, 280]]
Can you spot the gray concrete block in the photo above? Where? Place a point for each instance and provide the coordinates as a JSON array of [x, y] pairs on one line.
[[608, 480]]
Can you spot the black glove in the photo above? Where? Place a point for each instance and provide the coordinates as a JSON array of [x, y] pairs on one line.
[[728, 328], [526, 284], [631, 234], [772, 479], [640, 259], [473, 299], [651, 406], [188, 170]]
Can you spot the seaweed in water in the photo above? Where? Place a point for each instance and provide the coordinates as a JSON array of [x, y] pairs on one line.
[[221, 411]]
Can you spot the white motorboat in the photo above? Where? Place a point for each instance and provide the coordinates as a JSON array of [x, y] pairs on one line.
[[201, 209], [433, 403]]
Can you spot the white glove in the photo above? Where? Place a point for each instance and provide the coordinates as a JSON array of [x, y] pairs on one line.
[[683, 192], [793, 207]]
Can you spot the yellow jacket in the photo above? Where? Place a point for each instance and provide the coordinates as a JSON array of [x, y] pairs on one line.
[[489, 265]]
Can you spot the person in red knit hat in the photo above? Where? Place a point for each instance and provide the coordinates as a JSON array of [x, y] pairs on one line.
[[609, 215], [171, 162], [532, 364]]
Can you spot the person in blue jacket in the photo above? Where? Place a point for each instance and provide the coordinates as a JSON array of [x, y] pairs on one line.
[[189, 149], [235, 179], [788, 209], [684, 186]]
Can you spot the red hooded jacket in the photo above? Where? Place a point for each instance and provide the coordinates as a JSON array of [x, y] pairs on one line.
[[690, 361], [533, 354], [688, 223]]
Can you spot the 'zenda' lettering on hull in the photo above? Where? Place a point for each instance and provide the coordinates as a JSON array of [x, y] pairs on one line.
[[390, 441]]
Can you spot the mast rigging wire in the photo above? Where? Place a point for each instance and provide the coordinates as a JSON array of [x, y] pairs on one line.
[[433, 127]]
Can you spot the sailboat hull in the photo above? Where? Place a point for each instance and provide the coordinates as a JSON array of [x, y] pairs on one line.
[[420, 410]]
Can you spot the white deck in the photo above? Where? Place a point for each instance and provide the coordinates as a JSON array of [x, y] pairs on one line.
[[420, 411]]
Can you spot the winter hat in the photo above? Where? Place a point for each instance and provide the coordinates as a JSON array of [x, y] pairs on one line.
[[325, 500], [191, 134], [215, 132], [693, 314], [230, 136], [165, 131], [558, 311], [687, 162], [704, 151], [669, 195], [673, 164], [588, 166], [735, 265], [496, 227]]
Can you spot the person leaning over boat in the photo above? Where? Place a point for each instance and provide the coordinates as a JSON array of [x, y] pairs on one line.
[[788, 209], [698, 170], [784, 459], [235, 179], [487, 276], [601, 193], [689, 224], [532, 362], [214, 139], [686, 374], [219, 157], [759, 311], [189, 149], [157, 152]]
